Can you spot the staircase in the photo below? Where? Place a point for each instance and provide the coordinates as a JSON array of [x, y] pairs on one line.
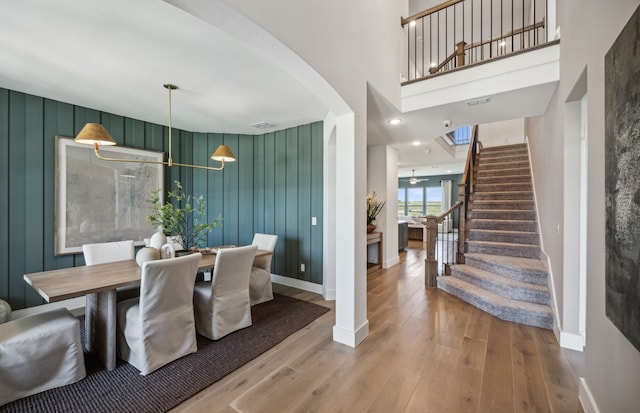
[[503, 273]]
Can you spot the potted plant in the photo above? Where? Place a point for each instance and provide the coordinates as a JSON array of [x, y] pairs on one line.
[[374, 207], [187, 223]]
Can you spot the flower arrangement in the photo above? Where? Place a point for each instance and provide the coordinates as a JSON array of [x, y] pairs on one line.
[[188, 223], [374, 207]]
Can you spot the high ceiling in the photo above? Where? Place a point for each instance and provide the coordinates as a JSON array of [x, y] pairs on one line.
[[114, 56]]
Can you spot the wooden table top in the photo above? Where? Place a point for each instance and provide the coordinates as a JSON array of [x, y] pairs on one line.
[[65, 283]]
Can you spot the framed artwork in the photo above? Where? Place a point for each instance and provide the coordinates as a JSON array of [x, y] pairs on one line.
[[622, 181], [100, 201]]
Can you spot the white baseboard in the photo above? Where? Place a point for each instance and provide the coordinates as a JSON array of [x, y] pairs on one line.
[[295, 283], [571, 341], [586, 398], [391, 262], [349, 337], [329, 295], [75, 305]]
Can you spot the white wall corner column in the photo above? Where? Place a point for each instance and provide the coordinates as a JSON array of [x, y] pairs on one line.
[[329, 207], [382, 177], [351, 325]]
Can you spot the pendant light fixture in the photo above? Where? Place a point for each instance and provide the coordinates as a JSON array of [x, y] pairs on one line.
[[95, 134]]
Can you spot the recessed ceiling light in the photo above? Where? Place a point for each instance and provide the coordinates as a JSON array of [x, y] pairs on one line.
[[434, 64], [449, 171], [395, 121], [412, 23], [416, 143]]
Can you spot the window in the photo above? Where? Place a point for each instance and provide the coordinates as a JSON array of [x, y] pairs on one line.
[[415, 202], [459, 136], [402, 202], [434, 200], [420, 201]]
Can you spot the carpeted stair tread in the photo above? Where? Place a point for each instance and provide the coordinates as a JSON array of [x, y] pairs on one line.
[[500, 148], [501, 157], [506, 287], [505, 179], [503, 195], [518, 237], [502, 187], [504, 248], [504, 224], [508, 214], [505, 170], [522, 204], [528, 269], [490, 166], [504, 308]]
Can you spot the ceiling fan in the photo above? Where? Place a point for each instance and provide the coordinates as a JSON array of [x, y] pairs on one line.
[[413, 180]]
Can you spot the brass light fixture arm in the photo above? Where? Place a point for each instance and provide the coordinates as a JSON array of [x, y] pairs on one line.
[[170, 87], [96, 134], [96, 149]]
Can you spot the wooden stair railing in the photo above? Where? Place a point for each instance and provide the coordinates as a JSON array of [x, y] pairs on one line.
[[452, 34], [442, 245], [465, 190]]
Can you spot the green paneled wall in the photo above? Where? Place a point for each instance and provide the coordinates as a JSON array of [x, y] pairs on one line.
[[274, 187]]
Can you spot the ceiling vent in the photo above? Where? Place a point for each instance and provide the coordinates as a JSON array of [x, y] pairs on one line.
[[262, 125]]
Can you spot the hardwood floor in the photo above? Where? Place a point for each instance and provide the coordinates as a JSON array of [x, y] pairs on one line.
[[427, 351]]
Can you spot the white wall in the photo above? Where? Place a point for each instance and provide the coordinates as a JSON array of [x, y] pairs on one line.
[[589, 28], [350, 45], [547, 165], [382, 177], [507, 132]]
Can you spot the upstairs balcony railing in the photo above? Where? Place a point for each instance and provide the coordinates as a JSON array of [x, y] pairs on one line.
[[462, 32]]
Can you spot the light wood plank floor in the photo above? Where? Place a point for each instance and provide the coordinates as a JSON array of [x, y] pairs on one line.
[[427, 351]]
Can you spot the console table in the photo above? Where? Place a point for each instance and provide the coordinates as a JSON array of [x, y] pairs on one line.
[[374, 238]]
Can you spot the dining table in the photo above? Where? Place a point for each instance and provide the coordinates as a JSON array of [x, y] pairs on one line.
[[99, 284]]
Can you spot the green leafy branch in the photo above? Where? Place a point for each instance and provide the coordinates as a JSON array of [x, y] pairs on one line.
[[188, 223]]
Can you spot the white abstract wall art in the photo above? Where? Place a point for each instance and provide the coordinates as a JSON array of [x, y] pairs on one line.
[[100, 201]]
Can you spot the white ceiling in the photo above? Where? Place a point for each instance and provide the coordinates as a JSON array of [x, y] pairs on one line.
[[115, 55], [416, 137]]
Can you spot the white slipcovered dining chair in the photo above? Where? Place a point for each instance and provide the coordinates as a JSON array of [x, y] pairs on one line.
[[222, 305], [39, 352], [158, 327], [102, 253], [260, 289]]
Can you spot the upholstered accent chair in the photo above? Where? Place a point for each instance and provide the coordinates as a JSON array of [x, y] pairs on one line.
[[158, 327], [260, 289], [222, 305], [39, 352]]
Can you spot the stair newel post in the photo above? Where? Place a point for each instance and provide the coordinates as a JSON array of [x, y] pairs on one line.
[[462, 223], [430, 262], [460, 53]]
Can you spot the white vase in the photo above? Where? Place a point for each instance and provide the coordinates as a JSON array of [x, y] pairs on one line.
[[158, 240], [147, 254], [167, 251]]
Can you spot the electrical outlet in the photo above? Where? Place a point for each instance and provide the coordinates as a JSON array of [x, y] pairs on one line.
[[301, 267], [314, 221]]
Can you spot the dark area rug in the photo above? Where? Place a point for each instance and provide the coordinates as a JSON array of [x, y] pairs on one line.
[[125, 390]]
